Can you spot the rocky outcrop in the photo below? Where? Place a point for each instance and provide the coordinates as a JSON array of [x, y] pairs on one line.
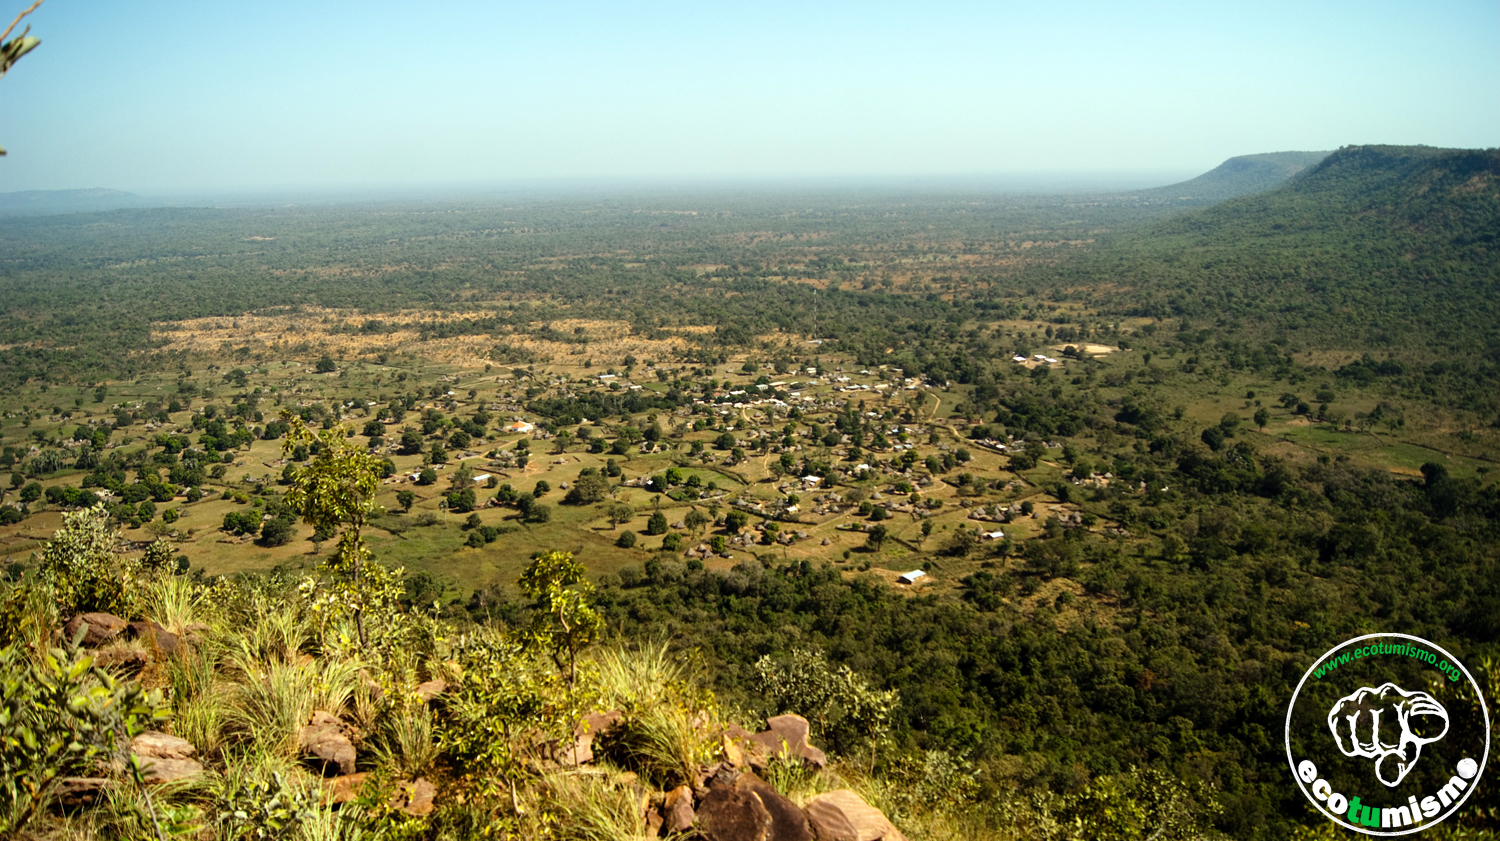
[[165, 758], [845, 816], [729, 814], [786, 736], [787, 821], [155, 636], [124, 661], [728, 801], [100, 628], [677, 810], [581, 752], [326, 745]]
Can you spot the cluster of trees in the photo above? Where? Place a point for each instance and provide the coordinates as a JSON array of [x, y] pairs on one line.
[[1251, 567]]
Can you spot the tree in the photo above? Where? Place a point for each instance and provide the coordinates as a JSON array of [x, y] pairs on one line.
[[411, 441], [81, 564], [406, 499], [734, 521], [462, 501], [326, 365], [695, 521], [562, 593], [620, 513], [1262, 417], [337, 489], [591, 487], [876, 537], [839, 701], [626, 540], [428, 476], [657, 524], [11, 52], [277, 531]]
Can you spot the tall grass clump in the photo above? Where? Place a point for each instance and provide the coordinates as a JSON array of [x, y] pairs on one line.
[[591, 807]]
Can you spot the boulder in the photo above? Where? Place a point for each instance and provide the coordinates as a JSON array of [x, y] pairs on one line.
[[728, 814], [325, 743], [786, 735], [581, 751], [154, 635], [733, 756], [75, 792], [126, 661], [165, 758], [654, 821], [431, 689], [677, 810], [787, 821], [845, 816], [343, 788], [101, 628], [413, 798], [195, 633]]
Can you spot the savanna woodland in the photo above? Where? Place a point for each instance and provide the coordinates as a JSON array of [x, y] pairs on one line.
[[538, 517]]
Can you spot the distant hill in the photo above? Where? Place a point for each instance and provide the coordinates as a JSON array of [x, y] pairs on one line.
[[1373, 249], [1236, 177], [31, 202]]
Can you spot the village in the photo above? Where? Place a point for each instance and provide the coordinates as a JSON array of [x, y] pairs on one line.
[[865, 468]]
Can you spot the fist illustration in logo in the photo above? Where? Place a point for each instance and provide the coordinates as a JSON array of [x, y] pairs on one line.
[[1388, 725]]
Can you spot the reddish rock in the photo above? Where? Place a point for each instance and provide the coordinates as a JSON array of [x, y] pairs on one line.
[[431, 689], [325, 743], [786, 735], [154, 635], [415, 798], [581, 751], [75, 792], [678, 810], [730, 751], [787, 821], [728, 814], [127, 661], [101, 628], [845, 816], [342, 789], [654, 822], [165, 758]]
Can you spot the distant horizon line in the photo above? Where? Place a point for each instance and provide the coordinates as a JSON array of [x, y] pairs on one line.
[[1037, 181]]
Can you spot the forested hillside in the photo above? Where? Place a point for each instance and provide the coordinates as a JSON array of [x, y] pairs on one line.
[[1390, 251], [1238, 176]]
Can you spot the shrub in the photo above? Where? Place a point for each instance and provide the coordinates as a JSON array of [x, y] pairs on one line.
[[58, 717], [626, 540], [85, 572]]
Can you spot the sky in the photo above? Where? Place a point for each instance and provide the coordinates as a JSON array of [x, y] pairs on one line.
[[155, 96]]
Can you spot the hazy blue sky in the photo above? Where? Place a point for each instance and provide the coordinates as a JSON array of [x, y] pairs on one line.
[[160, 95]]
